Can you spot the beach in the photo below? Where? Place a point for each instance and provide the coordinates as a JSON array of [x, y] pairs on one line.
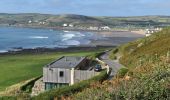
[[116, 38], [34, 40]]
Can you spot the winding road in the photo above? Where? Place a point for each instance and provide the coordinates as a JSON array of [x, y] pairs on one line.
[[114, 64]]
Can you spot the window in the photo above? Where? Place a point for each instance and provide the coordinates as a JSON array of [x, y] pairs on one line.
[[61, 74]]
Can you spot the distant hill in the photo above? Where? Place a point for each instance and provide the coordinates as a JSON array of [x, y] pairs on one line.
[[77, 20], [49, 20], [35, 19]]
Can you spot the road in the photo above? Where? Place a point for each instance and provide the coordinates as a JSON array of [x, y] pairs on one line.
[[114, 64]]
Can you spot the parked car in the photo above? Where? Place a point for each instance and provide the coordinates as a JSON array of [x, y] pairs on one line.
[[98, 68]]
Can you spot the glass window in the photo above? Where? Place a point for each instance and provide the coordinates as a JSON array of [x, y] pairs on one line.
[[61, 74]]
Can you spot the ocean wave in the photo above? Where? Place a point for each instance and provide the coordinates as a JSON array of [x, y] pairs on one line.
[[67, 36], [80, 34], [66, 31], [72, 42], [3, 51], [38, 37]]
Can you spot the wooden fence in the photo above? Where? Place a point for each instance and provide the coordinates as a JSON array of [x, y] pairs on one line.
[[80, 75]]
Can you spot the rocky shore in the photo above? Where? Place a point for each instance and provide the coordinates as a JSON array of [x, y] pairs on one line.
[[47, 50]]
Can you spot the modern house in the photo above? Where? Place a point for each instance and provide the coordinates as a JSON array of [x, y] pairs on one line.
[[66, 71]]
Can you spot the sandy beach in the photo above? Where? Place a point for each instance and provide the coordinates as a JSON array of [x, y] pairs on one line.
[[117, 38]]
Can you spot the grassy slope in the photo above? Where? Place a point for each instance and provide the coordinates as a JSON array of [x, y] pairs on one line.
[[158, 44], [148, 78], [17, 68]]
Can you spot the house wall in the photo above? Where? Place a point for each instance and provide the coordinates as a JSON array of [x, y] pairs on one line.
[[80, 75], [53, 75]]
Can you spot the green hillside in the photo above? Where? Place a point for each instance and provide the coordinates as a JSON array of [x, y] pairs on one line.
[[47, 20], [147, 76]]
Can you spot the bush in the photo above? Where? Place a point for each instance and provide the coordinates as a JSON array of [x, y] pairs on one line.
[[113, 54], [116, 50], [122, 72], [8, 98]]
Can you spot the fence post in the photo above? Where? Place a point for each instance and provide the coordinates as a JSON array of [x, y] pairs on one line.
[[72, 76]]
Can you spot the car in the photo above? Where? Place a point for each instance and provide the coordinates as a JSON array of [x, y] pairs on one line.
[[98, 68]]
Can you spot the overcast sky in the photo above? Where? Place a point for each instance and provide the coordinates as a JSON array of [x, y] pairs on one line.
[[88, 7]]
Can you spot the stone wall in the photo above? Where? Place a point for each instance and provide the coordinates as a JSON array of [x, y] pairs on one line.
[[38, 88]]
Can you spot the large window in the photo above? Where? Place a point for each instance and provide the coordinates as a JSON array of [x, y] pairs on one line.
[[61, 74], [49, 86]]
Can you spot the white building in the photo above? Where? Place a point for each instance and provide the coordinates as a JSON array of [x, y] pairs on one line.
[[93, 28], [29, 21], [151, 31], [105, 28], [65, 25], [71, 25], [42, 23]]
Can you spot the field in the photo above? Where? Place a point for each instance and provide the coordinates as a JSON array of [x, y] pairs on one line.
[[21, 67]]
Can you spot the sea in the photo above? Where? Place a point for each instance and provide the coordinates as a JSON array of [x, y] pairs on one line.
[[16, 38]]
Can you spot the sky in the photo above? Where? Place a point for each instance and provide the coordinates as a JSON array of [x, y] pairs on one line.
[[88, 7]]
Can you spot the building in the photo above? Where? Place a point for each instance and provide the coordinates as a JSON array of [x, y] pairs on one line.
[[105, 28], [29, 21], [66, 71], [42, 23], [93, 28], [71, 25], [65, 25], [151, 31]]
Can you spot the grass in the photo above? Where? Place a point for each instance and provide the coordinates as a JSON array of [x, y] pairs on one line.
[[158, 44], [147, 76], [21, 67]]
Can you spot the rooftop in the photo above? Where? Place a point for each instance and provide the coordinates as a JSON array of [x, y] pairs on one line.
[[66, 62]]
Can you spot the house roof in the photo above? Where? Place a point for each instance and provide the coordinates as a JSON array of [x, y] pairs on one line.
[[66, 62]]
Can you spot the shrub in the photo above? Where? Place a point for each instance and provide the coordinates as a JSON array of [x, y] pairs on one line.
[[8, 98], [122, 72], [116, 50], [113, 54]]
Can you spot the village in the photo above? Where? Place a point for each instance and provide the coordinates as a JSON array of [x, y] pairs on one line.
[[151, 31], [70, 26]]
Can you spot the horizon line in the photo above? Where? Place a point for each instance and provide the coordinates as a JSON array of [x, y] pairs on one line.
[[83, 15]]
